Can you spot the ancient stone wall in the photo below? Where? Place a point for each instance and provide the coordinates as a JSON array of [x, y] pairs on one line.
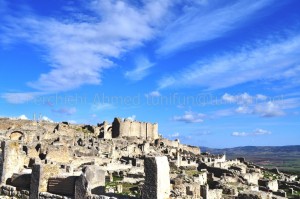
[[269, 184], [39, 178], [143, 132], [190, 149], [202, 178], [128, 128], [13, 159], [104, 130], [218, 172], [252, 177]]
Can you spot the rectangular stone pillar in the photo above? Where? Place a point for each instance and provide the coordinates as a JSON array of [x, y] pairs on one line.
[[157, 180], [35, 182], [204, 191], [39, 178], [12, 158]]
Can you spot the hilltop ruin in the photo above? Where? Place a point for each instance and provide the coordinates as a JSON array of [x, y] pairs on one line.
[[124, 159]]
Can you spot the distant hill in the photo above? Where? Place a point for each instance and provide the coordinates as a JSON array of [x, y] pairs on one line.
[[255, 149], [286, 158]]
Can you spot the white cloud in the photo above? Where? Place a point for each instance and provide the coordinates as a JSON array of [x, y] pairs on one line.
[[131, 118], [239, 134], [168, 81], [261, 97], [46, 119], [141, 70], [243, 110], [20, 98], [261, 132], [195, 25], [22, 117], [261, 105], [269, 109], [267, 60], [153, 94], [256, 132], [78, 51], [190, 117], [244, 98], [102, 106], [229, 98]]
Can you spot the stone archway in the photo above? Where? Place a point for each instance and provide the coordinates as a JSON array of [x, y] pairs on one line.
[[16, 135]]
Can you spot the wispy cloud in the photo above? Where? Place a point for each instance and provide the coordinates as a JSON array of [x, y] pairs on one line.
[[261, 105], [244, 98], [20, 98], [102, 106], [153, 94], [256, 132], [269, 60], [66, 111], [208, 21], [190, 117], [78, 52], [141, 70]]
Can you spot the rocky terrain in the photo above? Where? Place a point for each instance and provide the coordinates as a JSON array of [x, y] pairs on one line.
[[124, 159]]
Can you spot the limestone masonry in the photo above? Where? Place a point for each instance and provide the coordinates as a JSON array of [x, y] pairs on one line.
[[124, 159]]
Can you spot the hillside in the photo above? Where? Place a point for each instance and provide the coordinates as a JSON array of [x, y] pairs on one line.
[[285, 158]]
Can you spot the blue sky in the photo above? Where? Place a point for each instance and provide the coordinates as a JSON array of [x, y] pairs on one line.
[[211, 73]]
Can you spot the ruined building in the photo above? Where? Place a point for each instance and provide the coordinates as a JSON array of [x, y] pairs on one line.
[[128, 128], [123, 160]]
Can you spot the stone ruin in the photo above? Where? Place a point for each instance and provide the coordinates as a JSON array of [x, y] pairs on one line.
[[125, 159], [128, 128], [125, 128]]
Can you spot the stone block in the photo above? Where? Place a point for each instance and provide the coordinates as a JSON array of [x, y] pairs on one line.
[[157, 180], [62, 185], [91, 181], [39, 178], [21, 180]]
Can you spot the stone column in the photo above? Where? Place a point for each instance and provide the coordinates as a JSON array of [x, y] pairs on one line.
[[35, 182], [12, 158], [157, 180], [179, 158], [204, 191], [39, 178]]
